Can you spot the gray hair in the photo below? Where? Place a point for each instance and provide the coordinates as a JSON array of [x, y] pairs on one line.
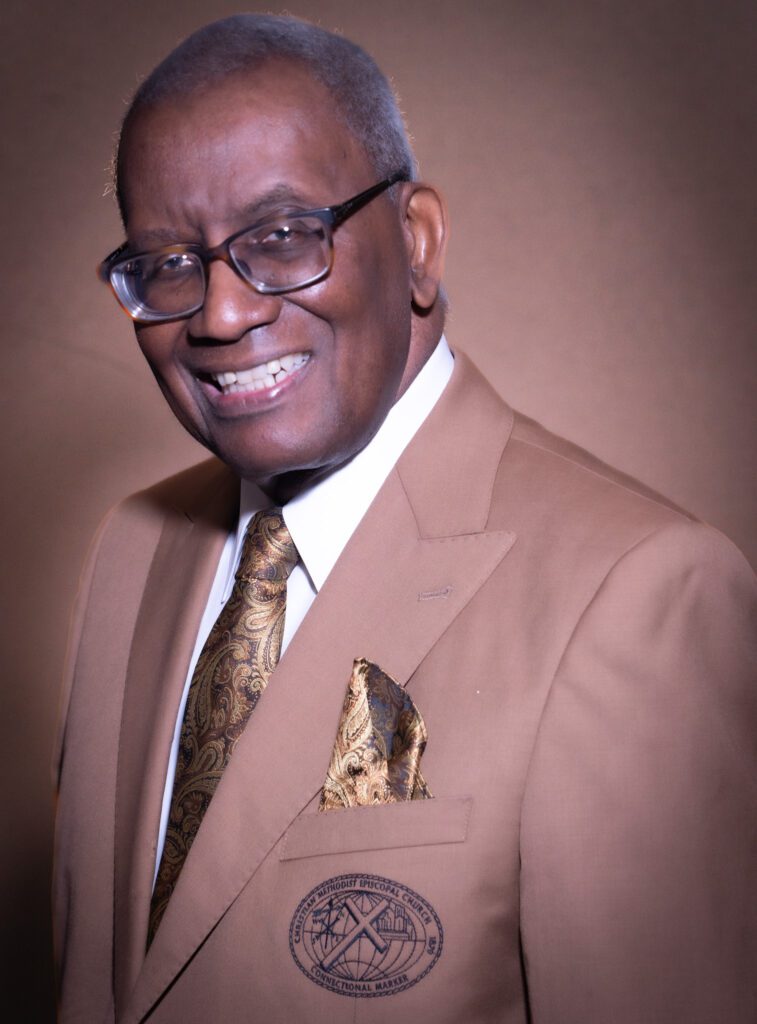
[[245, 42]]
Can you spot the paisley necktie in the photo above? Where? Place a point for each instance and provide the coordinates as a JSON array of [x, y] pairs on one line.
[[232, 671]]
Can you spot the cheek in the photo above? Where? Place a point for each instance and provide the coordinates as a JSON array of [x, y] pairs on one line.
[[158, 344], [372, 334], [149, 341]]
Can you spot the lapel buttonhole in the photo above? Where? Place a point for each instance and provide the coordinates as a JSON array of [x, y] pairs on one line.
[[432, 595]]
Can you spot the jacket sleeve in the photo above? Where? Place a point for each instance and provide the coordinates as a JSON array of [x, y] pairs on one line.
[[85, 758], [639, 860]]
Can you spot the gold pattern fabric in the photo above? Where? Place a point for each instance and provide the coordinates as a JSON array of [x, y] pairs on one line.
[[379, 743], [232, 671]]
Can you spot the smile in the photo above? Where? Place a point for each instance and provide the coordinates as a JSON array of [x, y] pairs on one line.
[[266, 375]]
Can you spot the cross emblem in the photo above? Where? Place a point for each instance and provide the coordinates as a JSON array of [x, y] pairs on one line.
[[363, 926]]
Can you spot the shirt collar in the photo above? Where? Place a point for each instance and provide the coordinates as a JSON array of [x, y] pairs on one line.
[[323, 518]]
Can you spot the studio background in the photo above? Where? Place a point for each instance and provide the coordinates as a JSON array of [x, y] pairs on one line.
[[599, 161]]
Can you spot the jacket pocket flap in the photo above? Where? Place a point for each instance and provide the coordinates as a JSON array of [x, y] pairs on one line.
[[415, 823]]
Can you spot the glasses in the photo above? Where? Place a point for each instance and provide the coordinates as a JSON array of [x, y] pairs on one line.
[[275, 255]]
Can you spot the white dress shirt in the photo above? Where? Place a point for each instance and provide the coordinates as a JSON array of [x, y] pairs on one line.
[[320, 520]]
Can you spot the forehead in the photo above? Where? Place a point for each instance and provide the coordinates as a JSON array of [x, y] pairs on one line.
[[212, 155]]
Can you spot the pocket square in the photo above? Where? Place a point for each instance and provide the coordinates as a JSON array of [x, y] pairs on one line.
[[379, 743]]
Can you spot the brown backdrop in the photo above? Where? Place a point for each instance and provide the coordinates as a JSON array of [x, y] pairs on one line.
[[599, 161]]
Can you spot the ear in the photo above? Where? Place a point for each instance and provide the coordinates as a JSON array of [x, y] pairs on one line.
[[425, 227]]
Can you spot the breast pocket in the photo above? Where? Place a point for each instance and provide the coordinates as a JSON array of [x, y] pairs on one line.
[[382, 827]]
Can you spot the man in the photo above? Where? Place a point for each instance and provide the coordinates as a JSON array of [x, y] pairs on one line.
[[504, 767]]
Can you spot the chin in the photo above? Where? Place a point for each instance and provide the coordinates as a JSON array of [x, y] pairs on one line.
[[267, 470]]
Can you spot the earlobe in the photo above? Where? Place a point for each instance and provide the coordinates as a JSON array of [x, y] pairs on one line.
[[425, 226]]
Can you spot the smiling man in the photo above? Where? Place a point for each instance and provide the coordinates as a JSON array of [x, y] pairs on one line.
[[398, 707], [243, 151]]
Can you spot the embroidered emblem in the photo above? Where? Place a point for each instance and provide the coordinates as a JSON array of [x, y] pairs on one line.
[[364, 935]]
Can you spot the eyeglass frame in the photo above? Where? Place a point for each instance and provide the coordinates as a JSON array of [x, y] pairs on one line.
[[331, 217]]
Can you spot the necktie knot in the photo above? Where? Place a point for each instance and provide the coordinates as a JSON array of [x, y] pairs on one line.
[[268, 552]]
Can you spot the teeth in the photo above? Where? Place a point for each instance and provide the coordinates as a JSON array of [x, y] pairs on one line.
[[266, 375]]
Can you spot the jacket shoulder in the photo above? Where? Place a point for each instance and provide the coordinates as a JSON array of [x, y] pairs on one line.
[[567, 489], [190, 493], [536, 439]]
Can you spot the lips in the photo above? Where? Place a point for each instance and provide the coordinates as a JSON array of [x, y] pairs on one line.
[[258, 378]]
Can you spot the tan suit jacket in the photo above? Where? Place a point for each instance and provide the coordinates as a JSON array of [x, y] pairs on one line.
[[584, 657]]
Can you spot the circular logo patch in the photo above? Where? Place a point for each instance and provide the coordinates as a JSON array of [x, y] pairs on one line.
[[364, 935]]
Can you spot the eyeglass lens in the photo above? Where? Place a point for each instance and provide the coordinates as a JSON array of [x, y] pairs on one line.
[[274, 257]]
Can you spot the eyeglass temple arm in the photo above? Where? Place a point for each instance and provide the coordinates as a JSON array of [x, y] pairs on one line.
[[103, 269], [344, 210]]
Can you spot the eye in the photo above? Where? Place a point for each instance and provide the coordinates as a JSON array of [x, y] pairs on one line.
[[172, 265], [281, 233], [284, 234]]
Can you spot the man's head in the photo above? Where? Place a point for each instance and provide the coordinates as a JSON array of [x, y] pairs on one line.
[[360, 94], [252, 118]]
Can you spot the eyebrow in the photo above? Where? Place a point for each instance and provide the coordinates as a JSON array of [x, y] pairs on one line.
[[280, 194], [276, 196]]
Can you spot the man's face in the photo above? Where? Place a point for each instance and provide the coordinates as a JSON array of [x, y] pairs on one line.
[[201, 168]]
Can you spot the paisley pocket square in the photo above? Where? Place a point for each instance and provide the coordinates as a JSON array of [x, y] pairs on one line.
[[379, 743]]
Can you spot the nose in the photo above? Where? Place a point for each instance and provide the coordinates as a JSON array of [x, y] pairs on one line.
[[231, 308]]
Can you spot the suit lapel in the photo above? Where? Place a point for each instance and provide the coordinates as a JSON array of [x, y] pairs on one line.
[[394, 591], [174, 598]]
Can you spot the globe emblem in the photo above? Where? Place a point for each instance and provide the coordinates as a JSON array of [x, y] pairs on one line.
[[385, 937], [363, 935]]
